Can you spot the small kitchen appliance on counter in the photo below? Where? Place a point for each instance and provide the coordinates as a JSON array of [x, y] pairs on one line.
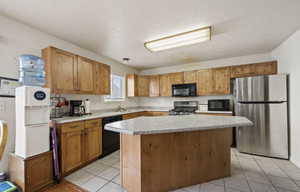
[[77, 108], [219, 105], [184, 108], [32, 121]]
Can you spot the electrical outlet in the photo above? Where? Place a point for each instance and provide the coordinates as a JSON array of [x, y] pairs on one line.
[[2, 107]]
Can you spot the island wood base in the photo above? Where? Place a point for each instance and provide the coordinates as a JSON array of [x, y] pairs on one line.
[[163, 162]]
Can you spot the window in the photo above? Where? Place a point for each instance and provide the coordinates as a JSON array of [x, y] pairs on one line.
[[117, 89]]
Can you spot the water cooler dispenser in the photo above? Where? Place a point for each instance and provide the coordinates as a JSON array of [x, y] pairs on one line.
[[32, 121]]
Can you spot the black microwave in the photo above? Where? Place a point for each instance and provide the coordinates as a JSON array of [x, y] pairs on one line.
[[219, 105], [184, 90]]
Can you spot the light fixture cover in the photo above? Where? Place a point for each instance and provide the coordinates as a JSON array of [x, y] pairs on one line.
[[181, 39]]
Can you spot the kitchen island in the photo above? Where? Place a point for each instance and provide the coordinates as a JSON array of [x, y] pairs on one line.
[[159, 154]]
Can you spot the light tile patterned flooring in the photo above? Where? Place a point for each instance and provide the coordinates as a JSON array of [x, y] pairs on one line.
[[249, 174]]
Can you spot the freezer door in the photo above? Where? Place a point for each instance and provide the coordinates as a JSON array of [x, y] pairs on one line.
[[262, 88], [269, 135]]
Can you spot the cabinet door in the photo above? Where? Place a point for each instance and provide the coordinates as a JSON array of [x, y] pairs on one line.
[[143, 86], [72, 152], [64, 71], [85, 75], [242, 71], [205, 83], [39, 171], [102, 79], [134, 115], [154, 85], [190, 76], [93, 139], [132, 90], [222, 80], [165, 85], [267, 68], [105, 76], [176, 78]]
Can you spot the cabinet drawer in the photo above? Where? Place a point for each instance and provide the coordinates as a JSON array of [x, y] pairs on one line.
[[70, 127], [92, 123]]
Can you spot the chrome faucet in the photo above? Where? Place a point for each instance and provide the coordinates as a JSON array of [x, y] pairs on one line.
[[121, 109]]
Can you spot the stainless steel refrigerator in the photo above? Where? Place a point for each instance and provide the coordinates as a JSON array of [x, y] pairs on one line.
[[263, 100]]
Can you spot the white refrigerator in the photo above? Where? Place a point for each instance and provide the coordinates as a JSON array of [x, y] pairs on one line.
[[7, 113]]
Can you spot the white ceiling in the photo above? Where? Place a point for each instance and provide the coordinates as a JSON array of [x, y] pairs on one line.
[[119, 28]]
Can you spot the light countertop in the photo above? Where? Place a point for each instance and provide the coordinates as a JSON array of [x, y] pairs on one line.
[[107, 113], [178, 123], [217, 112]]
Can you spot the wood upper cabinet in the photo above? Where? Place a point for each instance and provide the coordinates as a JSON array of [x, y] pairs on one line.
[[61, 70], [205, 82], [137, 85], [102, 78], [143, 86], [176, 78], [86, 68], [265, 68], [132, 90], [190, 76], [70, 73], [154, 85], [165, 85], [93, 136], [167, 80], [221, 77], [242, 71], [214, 81]]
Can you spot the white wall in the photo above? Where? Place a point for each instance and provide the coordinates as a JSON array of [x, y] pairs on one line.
[[288, 56], [17, 39]]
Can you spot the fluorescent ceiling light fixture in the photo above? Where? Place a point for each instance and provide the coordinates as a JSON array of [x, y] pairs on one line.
[[179, 40]]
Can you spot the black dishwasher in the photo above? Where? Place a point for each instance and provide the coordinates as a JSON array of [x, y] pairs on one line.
[[110, 140]]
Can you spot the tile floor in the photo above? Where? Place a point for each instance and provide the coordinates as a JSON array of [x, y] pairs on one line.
[[249, 174]]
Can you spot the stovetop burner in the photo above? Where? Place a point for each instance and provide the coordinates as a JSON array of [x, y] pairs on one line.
[[184, 108]]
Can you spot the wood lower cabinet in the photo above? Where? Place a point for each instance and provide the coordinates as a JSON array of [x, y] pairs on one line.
[[31, 174], [144, 113], [154, 85], [157, 113], [70, 73], [81, 142], [134, 115], [71, 146], [92, 139]]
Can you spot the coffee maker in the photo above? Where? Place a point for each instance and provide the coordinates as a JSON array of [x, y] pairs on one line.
[[76, 108]]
